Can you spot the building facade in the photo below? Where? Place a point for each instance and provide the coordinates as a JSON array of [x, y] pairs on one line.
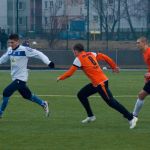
[[71, 15], [28, 16], [117, 14], [3, 14]]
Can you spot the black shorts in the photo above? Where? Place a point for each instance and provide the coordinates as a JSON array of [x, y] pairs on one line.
[[147, 87], [19, 86], [104, 91]]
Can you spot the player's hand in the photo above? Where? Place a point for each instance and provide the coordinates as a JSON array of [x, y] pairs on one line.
[[51, 65], [116, 70], [58, 79]]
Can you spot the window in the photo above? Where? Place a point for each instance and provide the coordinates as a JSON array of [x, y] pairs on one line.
[[95, 18], [20, 5], [148, 17], [20, 20], [110, 18], [110, 2], [80, 10], [46, 4], [51, 3], [46, 20], [73, 2], [60, 3]]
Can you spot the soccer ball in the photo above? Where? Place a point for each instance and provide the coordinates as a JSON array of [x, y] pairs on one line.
[[104, 68], [34, 42]]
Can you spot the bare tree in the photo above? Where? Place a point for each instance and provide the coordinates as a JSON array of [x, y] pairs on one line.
[[55, 25], [142, 10], [135, 10], [128, 17], [148, 19], [98, 5], [111, 12], [109, 15]]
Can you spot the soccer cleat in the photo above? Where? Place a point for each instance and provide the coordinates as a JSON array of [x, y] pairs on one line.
[[89, 119], [133, 122], [46, 108]]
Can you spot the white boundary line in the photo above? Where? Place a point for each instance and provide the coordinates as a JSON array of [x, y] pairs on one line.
[[55, 70], [72, 96]]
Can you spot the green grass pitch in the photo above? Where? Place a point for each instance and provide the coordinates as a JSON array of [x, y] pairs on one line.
[[24, 126]]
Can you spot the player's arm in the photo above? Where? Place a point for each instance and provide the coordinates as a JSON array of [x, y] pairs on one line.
[[148, 62], [71, 71], [39, 55], [147, 75], [68, 73], [111, 63], [4, 58]]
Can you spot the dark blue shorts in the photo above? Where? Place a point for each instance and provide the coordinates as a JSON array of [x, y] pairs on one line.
[[147, 87], [19, 86]]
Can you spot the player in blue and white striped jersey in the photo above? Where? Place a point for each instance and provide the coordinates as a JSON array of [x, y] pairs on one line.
[[18, 56]]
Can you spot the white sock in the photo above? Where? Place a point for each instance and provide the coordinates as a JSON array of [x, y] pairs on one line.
[[138, 105]]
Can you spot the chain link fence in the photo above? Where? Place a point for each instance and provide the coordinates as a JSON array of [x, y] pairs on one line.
[[111, 26]]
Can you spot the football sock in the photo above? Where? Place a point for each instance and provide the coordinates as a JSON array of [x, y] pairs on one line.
[[4, 103], [138, 105], [37, 100]]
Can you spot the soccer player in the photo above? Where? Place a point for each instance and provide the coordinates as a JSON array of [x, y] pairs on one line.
[[19, 56], [88, 62], [142, 44]]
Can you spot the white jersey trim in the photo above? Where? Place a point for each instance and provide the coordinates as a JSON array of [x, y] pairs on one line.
[[77, 62], [94, 54]]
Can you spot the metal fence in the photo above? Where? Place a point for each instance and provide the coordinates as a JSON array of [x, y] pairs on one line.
[[58, 24], [86, 20], [63, 59]]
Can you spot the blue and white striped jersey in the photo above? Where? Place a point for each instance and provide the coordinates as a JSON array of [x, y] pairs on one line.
[[19, 59]]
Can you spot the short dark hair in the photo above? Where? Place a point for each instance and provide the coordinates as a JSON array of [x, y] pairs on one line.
[[14, 37], [78, 47], [143, 39]]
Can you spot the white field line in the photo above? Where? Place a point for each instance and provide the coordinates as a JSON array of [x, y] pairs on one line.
[[72, 96]]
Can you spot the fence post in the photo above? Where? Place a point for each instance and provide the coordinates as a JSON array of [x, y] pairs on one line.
[[17, 14], [88, 30], [116, 55]]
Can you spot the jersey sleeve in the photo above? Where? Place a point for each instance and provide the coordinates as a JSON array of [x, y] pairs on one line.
[[103, 57], [94, 54], [148, 62], [37, 54], [4, 58], [68, 73], [77, 62]]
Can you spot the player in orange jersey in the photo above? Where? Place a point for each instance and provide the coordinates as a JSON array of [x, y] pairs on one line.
[[142, 44], [88, 62]]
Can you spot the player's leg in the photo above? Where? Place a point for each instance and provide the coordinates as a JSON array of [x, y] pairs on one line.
[[141, 96], [8, 91], [112, 102], [26, 93], [83, 95]]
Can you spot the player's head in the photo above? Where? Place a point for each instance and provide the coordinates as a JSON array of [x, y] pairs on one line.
[[78, 48], [142, 42], [13, 40]]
